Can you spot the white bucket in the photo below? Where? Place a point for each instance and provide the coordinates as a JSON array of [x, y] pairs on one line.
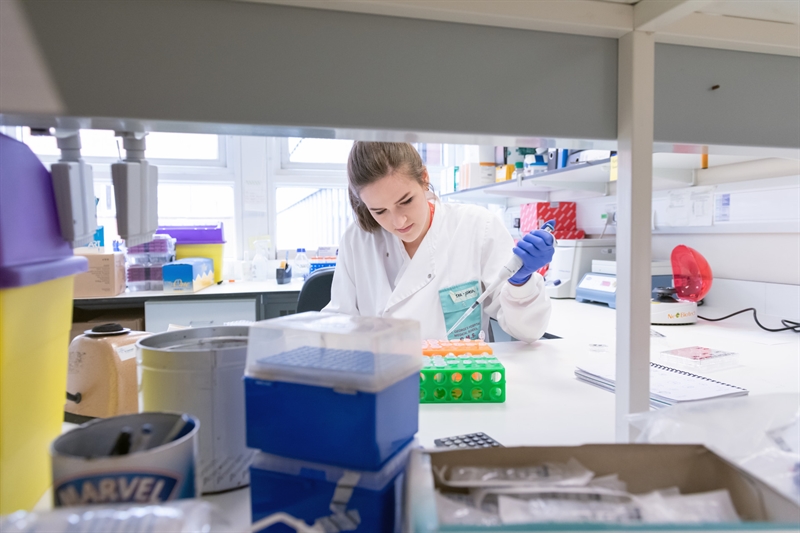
[[199, 371]]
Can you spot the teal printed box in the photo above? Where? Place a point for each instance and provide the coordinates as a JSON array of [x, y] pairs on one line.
[[188, 275]]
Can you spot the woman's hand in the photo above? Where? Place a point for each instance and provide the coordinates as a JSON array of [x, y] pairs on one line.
[[536, 250]]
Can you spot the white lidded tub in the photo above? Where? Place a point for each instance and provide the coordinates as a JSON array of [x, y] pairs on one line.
[[199, 371]]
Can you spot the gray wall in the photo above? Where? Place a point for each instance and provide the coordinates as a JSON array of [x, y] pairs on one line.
[[245, 63], [757, 103], [221, 66]]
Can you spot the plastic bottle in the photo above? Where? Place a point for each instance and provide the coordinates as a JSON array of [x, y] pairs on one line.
[[302, 264], [247, 267], [530, 161], [518, 170], [260, 266]]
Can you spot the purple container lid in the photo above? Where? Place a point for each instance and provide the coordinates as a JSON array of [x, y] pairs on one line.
[[194, 234], [157, 245], [31, 247]]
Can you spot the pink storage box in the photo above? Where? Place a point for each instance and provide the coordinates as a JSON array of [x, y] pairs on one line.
[[533, 215], [569, 234]]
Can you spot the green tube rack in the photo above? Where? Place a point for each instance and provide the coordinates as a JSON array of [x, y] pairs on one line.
[[462, 379]]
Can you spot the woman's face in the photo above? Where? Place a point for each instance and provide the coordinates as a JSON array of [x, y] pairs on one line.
[[398, 203]]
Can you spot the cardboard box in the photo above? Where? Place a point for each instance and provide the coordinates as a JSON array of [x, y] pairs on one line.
[[503, 173], [188, 275], [533, 215], [644, 467], [475, 175], [105, 278]]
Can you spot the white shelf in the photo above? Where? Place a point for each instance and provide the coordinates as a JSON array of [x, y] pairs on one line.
[[669, 170], [592, 176]]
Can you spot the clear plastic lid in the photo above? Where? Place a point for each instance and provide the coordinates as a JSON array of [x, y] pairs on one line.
[[345, 352]]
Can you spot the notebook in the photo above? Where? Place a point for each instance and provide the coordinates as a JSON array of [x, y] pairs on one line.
[[668, 386]]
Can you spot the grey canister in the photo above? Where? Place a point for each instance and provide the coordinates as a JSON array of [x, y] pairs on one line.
[[199, 371]]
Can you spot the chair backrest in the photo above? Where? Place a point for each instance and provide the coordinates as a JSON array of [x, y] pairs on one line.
[[497, 334], [316, 291]]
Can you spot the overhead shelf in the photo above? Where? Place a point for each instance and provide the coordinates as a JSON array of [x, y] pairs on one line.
[[669, 170]]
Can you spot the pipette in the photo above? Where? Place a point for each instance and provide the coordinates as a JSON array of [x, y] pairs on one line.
[[508, 270]]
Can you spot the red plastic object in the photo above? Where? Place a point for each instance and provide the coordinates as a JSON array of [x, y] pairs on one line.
[[691, 274]]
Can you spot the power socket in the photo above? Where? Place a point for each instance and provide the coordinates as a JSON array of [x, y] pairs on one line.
[[610, 215]]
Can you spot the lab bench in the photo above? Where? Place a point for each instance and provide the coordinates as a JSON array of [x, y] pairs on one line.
[[547, 406], [226, 302]]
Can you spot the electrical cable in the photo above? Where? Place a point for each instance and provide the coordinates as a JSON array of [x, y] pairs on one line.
[[790, 324]]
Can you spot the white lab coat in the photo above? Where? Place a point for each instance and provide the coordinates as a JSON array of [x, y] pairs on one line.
[[375, 277]]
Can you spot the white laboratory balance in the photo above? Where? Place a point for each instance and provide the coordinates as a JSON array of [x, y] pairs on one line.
[[573, 259], [677, 286]]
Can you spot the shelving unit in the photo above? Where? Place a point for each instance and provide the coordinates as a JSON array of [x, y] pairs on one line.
[[670, 170]]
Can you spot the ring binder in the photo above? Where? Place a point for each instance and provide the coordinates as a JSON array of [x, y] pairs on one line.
[[668, 385], [678, 371]]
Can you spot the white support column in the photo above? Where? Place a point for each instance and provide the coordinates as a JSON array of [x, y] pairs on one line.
[[634, 206]]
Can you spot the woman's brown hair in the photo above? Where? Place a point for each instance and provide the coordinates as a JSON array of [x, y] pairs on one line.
[[369, 162]]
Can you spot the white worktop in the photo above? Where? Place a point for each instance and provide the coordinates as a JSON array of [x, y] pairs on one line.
[[226, 288], [546, 404]]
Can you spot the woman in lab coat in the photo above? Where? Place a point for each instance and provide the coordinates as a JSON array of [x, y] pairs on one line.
[[410, 256]]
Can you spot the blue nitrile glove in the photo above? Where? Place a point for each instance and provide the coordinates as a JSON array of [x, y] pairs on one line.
[[536, 250]]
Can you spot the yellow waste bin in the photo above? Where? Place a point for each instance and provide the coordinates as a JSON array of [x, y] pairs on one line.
[[37, 271]]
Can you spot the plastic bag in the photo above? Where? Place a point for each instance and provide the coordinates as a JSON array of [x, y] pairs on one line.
[[183, 516], [560, 507], [610, 482], [492, 495], [761, 434], [459, 509], [572, 473], [705, 507], [733, 427]]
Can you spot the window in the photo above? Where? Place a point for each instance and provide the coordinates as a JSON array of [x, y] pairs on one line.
[[179, 204], [311, 217], [310, 184], [195, 184], [103, 145], [302, 151], [305, 152]]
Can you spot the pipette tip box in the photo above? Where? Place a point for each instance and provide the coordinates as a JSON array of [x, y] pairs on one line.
[[333, 389], [313, 492]]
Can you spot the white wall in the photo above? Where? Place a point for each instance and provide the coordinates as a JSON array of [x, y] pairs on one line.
[[769, 258], [759, 242]]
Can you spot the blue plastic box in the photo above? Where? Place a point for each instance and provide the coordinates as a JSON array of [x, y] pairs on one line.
[[333, 389], [188, 275], [306, 490], [350, 429]]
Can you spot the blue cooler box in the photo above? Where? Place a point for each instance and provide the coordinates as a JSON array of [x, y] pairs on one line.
[[316, 492], [333, 389]]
